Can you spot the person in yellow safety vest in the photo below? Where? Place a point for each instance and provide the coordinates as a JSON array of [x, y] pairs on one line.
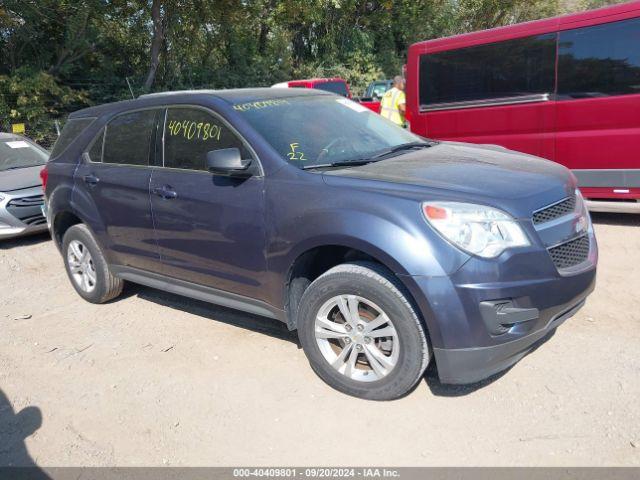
[[393, 103]]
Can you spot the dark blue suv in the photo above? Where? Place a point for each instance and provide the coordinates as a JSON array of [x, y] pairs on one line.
[[383, 249]]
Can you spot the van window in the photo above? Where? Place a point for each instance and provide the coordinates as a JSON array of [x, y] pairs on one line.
[[599, 61], [512, 68], [190, 133], [339, 88], [72, 129], [128, 137]]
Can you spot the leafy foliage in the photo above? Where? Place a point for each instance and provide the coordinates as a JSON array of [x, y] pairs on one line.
[[58, 55]]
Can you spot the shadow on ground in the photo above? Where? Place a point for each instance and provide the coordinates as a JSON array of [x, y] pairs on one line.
[[25, 241], [14, 429], [237, 318], [443, 390], [279, 330], [622, 219]]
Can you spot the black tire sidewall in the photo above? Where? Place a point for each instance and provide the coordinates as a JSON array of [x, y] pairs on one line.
[[82, 234], [409, 368]]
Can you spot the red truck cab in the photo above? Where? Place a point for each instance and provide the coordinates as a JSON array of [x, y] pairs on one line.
[[335, 85], [565, 88]]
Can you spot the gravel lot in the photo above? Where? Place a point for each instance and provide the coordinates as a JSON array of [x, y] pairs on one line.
[[155, 379]]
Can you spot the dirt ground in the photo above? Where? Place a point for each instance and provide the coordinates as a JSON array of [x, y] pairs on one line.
[[155, 379]]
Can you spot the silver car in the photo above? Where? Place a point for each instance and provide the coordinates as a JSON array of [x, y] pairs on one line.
[[21, 196]]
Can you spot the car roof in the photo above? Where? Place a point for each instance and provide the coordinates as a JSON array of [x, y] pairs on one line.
[[230, 96]]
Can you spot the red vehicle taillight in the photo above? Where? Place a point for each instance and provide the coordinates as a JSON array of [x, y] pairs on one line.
[[44, 176]]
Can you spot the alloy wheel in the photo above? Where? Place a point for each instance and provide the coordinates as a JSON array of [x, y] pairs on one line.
[[357, 338], [81, 266]]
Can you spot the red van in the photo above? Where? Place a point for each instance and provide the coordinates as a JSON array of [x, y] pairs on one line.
[[565, 88]]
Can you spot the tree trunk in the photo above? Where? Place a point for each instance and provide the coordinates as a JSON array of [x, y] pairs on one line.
[[156, 42]]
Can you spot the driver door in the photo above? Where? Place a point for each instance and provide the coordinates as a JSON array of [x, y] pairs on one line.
[[209, 229]]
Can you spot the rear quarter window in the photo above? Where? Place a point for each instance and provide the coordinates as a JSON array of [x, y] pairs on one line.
[[72, 129]]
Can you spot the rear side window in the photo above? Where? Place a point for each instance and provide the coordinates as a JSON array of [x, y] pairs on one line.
[[339, 88], [72, 129], [512, 68], [599, 61], [190, 133], [127, 138]]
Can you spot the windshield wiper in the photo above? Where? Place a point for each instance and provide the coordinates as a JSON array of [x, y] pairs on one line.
[[401, 148], [374, 158], [345, 163]]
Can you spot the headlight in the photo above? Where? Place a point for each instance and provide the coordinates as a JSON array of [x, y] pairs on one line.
[[581, 205], [479, 230]]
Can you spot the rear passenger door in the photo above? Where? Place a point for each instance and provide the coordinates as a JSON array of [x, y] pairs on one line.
[[210, 229], [112, 187]]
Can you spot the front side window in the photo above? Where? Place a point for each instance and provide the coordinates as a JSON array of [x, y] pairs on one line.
[[339, 88], [18, 153], [72, 129], [599, 61], [190, 133], [512, 68], [316, 130], [127, 138]]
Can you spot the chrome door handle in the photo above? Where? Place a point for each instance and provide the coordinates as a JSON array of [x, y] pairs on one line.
[[165, 192], [91, 180]]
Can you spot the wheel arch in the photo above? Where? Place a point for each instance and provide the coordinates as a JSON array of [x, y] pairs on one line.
[[317, 257]]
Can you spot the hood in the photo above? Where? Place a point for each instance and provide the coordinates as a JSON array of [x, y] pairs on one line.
[[20, 178], [483, 170]]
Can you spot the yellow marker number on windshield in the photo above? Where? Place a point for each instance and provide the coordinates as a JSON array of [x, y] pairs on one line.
[[295, 154]]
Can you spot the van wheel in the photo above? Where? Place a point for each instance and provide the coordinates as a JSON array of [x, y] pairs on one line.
[[361, 334], [87, 269]]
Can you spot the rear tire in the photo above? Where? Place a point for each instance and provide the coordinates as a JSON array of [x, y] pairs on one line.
[[87, 268], [361, 333]]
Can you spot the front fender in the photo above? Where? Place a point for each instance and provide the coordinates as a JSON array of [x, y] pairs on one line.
[[406, 246]]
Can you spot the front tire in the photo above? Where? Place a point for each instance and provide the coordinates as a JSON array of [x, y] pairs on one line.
[[361, 333], [87, 268]]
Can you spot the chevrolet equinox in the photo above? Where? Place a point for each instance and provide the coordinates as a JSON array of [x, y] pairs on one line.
[[384, 250]]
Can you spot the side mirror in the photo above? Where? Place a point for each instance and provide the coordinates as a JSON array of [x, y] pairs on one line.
[[228, 162]]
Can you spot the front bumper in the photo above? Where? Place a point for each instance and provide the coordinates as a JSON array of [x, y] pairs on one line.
[[470, 365], [490, 313], [21, 213]]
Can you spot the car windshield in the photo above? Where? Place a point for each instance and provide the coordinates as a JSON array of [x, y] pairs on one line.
[[324, 129], [18, 153], [377, 89]]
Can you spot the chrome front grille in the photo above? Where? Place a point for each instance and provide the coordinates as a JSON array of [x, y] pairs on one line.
[[35, 200], [27, 209], [554, 211], [570, 253]]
